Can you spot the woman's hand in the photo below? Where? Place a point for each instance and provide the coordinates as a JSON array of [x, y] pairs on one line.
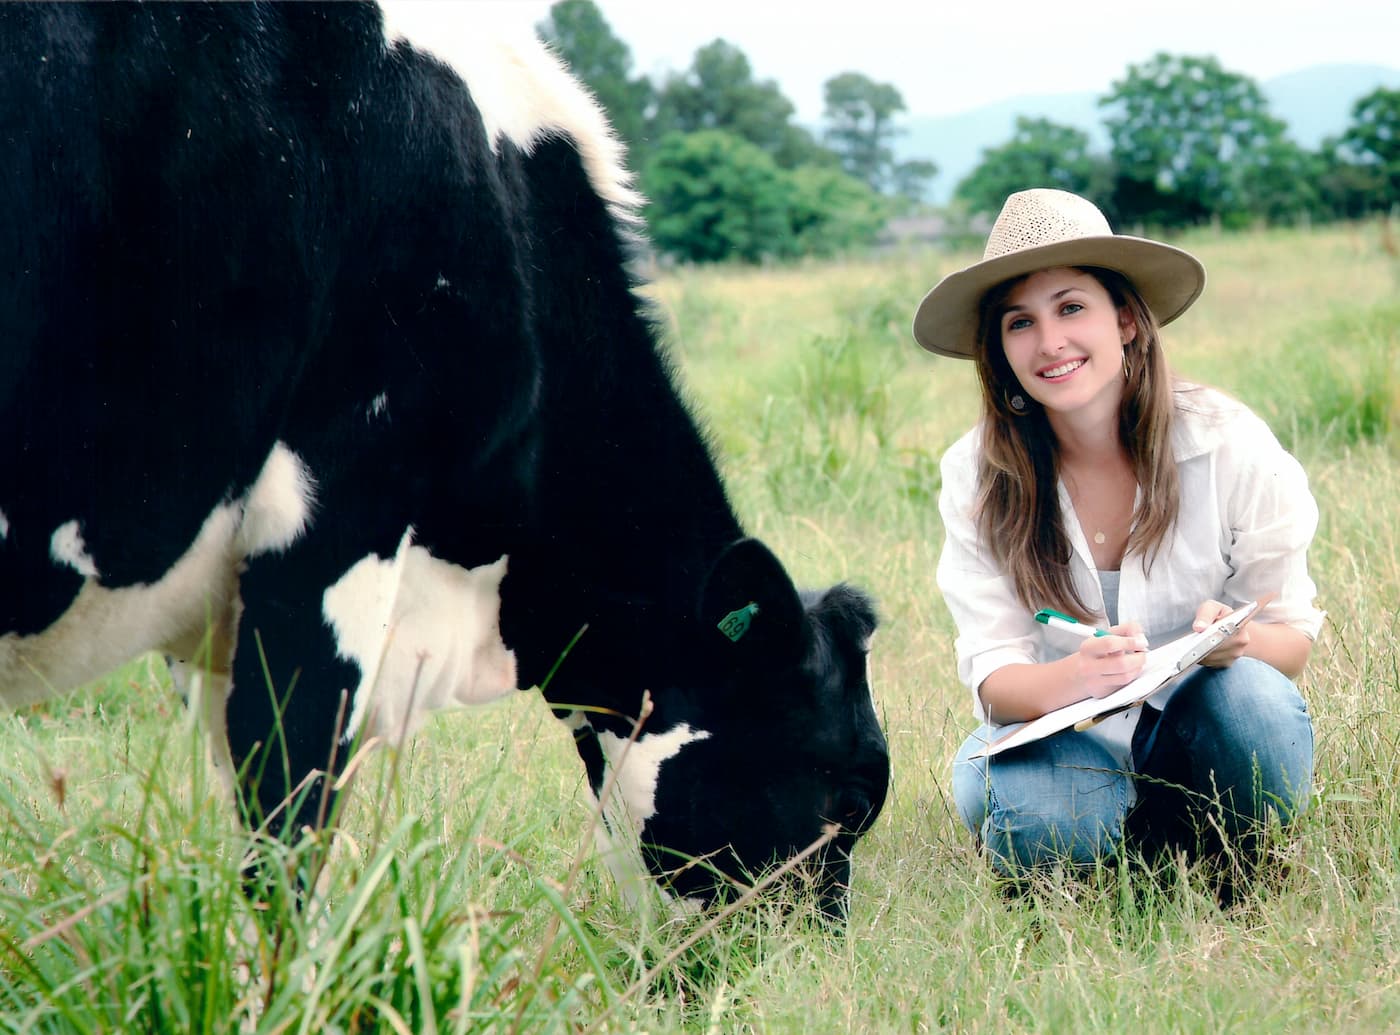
[[1107, 663], [1229, 651]]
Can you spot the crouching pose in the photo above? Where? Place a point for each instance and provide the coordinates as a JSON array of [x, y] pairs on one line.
[[1098, 484]]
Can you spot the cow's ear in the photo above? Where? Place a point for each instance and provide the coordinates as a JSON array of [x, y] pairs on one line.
[[750, 608]]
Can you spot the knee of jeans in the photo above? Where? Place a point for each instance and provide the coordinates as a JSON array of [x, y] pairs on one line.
[[1253, 713], [1067, 814], [969, 787]]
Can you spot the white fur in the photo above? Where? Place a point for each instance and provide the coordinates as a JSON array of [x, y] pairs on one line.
[[377, 406], [523, 91], [424, 633], [191, 612], [278, 507], [634, 772], [192, 608], [66, 546]]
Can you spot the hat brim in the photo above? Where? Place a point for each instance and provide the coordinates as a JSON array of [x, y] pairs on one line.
[[1168, 279]]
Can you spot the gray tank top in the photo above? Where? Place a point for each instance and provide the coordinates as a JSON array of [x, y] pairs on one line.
[[1109, 581]]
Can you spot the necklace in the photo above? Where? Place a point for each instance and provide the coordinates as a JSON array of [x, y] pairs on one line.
[[1100, 517]]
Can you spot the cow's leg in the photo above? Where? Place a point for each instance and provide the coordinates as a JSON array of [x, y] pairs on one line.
[[206, 693], [285, 717]]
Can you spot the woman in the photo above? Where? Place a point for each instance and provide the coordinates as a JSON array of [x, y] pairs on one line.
[[1097, 485]]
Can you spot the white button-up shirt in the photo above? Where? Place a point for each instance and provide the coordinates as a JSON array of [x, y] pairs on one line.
[[1243, 530]]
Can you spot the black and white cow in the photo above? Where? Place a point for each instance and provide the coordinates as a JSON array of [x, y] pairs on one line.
[[321, 371]]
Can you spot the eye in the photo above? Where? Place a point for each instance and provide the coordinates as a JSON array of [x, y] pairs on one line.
[[1018, 323], [1070, 308]]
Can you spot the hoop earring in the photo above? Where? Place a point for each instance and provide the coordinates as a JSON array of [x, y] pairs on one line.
[[1127, 368]]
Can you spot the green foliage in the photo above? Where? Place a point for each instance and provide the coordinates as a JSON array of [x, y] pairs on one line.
[[719, 92], [715, 196], [909, 180], [1373, 141], [1192, 141], [860, 125], [1346, 189], [579, 33], [831, 212], [1039, 154]]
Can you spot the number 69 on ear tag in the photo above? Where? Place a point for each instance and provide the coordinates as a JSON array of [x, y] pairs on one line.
[[736, 623]]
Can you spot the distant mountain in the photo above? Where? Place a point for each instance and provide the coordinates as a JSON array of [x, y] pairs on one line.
[[1314, 102]]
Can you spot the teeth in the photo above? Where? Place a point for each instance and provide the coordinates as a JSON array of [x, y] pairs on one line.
[[1063, 369]]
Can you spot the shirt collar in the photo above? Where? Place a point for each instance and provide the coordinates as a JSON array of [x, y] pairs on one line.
[[1200, 422]]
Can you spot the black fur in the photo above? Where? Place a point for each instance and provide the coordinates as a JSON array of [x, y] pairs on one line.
[[228, 225]]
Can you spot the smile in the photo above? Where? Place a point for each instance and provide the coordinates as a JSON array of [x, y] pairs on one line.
[[1062, 369]]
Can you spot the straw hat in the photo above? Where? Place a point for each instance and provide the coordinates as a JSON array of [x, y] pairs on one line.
[[1041, 228]]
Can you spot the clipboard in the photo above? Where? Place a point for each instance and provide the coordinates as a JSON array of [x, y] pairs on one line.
[[1164, 664]]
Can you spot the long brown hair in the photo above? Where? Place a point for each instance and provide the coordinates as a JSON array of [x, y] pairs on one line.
[[1018, 511]]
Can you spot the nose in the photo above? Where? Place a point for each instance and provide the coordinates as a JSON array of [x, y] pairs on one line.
[[1051, 341]]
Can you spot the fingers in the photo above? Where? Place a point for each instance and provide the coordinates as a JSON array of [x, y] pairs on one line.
[[1209, 611], [1109, 662], [1228, 652], [1127, 638]]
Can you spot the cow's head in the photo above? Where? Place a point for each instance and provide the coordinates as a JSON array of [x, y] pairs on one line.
[[773, 740]]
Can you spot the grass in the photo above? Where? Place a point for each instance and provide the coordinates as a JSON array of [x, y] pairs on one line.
[[463, 895]]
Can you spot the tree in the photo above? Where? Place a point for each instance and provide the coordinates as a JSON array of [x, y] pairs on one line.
[[581, 36], [1347, 189], [716, 196], [1189, 140], [1280, 183], [831, 212], [719, 91], [1373, 142], [1040, 153], [909, 180], [860, 113]]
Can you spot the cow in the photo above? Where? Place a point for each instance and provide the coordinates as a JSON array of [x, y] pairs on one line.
[[325, 372]]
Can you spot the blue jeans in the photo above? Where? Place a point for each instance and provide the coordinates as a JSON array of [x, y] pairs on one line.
[[1231, 746]]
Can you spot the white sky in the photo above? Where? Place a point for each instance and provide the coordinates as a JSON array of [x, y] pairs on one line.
[[948, 56]]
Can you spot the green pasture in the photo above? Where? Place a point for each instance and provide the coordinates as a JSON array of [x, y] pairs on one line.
[[462, 895]]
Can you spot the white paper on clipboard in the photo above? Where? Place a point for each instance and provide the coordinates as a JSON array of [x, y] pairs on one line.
[[1163, 665]]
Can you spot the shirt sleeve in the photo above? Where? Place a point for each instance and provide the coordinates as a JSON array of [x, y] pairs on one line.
[[994, 628], [1270, 517]]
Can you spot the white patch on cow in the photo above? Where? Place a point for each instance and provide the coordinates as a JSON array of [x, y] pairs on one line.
[[574, 721], [190, 612], [67, 547], [629, 785], [425, 634], [278, 506], [4, 526], [523, 91], [638, 768], [377, 406]]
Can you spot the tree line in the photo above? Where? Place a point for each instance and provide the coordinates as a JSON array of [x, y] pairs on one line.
[[1191, 143], [731, 175]]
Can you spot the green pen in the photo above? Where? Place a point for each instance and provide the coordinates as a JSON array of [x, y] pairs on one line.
[[1056, 620]]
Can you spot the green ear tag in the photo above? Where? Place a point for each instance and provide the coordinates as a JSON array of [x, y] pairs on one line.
[[736, 623]]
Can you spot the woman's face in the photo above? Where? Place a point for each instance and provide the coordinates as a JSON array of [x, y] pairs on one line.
[[1064, 338]]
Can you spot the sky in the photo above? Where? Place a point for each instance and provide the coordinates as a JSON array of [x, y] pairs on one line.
[[949, 57]]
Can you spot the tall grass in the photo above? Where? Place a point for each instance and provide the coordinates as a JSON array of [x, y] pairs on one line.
[[462, 895]]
